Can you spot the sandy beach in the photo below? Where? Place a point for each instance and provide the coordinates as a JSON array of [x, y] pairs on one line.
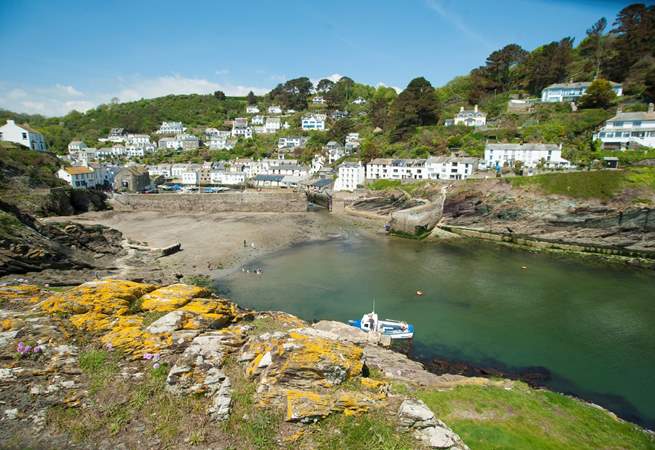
[[212, 243]]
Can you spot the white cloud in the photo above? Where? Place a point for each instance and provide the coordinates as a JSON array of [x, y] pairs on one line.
[[68, 90], [60, 99]]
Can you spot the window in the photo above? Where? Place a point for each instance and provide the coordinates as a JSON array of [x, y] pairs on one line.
[[636, 123], [24, 135]]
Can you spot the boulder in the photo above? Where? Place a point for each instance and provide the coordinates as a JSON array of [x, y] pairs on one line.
[[415, 416], [171, 297], [168, 323], [342, 331]]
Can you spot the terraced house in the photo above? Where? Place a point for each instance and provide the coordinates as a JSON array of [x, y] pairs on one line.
[[568, 92]]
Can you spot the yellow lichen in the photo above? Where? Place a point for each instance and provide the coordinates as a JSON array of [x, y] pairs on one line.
[[355, 403], [169, 298], [306, 404], [127, 335], [6, 324], [102, 296], [27, 292], [376, 385], [91, 321]]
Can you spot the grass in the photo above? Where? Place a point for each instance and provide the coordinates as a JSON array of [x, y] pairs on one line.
[[263, 325], [596, 184], [116, 404], [383, 185], [256, 428], [9, 224], [520, 418], [630, 156], [151, 316], [365, 432]]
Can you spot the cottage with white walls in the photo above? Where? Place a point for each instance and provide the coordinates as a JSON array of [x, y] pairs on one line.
[[291, 142], [450, 167], [163, 170], [79, 177], [350, 176], [137, 139], [359, 101], [313, 122], [23, 135], [74, 146], [396, 169], [252, 109], [171, 128], [569, 92], [318, 100], [629, 130], [531, 155], [272, 125], [240, 128], [335, 151], [258, 120], [469, 117], [274, 109]]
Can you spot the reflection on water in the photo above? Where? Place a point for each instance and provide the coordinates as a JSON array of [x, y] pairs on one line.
[[589, 325]]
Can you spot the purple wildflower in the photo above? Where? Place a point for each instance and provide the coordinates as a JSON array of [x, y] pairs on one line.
[[28, 348], [155, 365], [37, 349], [20, 348], [108, 346], [148, 356]]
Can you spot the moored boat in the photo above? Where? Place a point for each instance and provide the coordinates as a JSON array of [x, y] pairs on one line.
[[395, 329]]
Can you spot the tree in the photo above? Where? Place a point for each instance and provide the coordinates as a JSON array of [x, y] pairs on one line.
[[500, 64], [593, 45], [324, 86], [340, 129], [252, 98], [415, 106], [547, 65], [340, 93], [649, 83], [220, 95], [634, 31], [292, 94], [599, 94]]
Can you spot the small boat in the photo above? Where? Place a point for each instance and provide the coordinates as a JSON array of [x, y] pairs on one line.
[[392, 328], [419, 293]]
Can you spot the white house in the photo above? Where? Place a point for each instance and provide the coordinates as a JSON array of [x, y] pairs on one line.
[[74, 146], [567, 92], [137, 139], [359, 101], [450, 167], [240, 128], [272, 125], [258, 120], [396, 169], [531, 155], [295, 170], [352, 142], [335, 151], [116, 135], [83, 156], [136, 150], [470, 117], [252, 109], [313, 122], [274, 109], [190, 177], [318, 100], [350, 175], [79, 177], [23, 135], [171, 128], [163, 170], [290, 142], [188, 141], [318, 161], [222, 142], [629, 130], [227, 178], [215, 132]]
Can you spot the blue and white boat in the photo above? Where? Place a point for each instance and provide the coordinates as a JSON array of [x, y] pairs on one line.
[[395, 329]]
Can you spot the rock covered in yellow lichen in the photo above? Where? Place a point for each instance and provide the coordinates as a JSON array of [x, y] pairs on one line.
[[309, 406], [169, 298], [112, 297], [24, 292], [127, 334]]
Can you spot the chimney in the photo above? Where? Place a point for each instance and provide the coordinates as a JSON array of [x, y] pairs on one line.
[[475, 108], [650, 107], [619, 109], [461, 109]]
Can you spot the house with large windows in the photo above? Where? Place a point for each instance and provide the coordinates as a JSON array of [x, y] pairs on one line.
[[313, 122], [23, 135], [469, 117], [450, 167], [350, 176], [530, 155], [171, 128], [396, 169], [570, 92], [629, 130]]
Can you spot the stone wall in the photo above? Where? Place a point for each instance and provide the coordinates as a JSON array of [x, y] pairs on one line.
[[246, 201], [417, 220]]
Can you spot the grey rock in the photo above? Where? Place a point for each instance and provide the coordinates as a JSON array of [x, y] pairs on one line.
[[168, 323]]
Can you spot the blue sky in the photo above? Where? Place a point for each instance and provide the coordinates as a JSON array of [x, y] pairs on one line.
[[74, 54]]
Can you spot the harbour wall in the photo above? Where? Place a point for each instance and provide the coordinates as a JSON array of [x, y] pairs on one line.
[[243, 201]]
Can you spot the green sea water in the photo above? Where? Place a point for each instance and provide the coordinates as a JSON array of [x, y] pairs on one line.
[[591, 325]]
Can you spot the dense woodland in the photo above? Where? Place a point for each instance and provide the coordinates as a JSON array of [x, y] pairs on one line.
[[410, 124]]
